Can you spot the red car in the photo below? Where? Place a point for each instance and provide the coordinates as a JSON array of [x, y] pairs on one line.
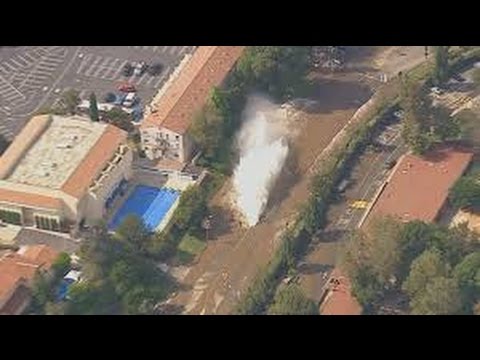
[[127, 88]]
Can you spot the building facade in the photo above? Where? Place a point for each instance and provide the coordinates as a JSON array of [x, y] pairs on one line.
[[62, 171], [164, 132]]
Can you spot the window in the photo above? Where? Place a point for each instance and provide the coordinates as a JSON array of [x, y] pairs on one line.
[[166, 136], [177, 137], [11, 217], [47, 223]]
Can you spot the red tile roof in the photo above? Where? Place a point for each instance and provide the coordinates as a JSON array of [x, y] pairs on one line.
[[29, 199], [19, 268], [418, 187], [207, 69], [339, 299], [93, 163]]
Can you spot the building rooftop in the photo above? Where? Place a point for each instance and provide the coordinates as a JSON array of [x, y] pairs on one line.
[[53, 156], [339, 299], [419, 186], [56, 153], [19, 267], [207, 69]]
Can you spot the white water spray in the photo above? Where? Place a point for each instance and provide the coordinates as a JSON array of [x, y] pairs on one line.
[[263, 150]]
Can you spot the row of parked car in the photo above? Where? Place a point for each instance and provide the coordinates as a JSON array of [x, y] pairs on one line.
[[139, 68]]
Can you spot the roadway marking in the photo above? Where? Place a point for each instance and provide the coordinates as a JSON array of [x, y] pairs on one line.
[[159, 81], [120, 68], [84, 62], [93, 65], [142, 78]]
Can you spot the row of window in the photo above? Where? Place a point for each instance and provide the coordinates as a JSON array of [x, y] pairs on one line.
[[46, 223], [11, 217]]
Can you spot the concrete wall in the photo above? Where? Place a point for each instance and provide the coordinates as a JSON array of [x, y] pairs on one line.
[[95, 201], [162, 142]]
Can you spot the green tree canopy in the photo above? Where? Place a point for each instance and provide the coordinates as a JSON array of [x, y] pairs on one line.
[[291, 300], [275, 69], [465, 194], [70, 100], [426, 267], [133, 233], [441, 70], [61, 264], [441, 297], [93, 107], [119, 118], [467, 274]]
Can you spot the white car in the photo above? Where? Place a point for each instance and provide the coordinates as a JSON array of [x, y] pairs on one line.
[[436, 90]]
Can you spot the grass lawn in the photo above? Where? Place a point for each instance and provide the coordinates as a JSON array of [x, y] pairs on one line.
[[189, 248]]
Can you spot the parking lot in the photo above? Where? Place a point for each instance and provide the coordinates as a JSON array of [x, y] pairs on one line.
[[35, 77]]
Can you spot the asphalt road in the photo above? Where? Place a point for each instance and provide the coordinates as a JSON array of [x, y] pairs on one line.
[[323, 252], [35, 77]]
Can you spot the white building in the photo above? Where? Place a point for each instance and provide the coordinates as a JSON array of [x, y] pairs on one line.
[[164, 132]]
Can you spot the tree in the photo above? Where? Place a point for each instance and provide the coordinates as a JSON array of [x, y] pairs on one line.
[[417, 124], [70, 100], [467, 274], [55, 308], [292, 301], [414, 238], [207, 130], [465, 194], [119, 118], [41, 291], [427, 266], [355, 259], [365, 286], [386, 252], [133, 232], [93, 107], [440, 297], [87, 298], [275, 69], [441, 70], [61, 265]]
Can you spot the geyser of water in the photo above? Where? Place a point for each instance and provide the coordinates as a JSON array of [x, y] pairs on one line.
[[263, 152]]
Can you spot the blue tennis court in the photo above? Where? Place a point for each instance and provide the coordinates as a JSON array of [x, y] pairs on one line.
[[148, 203]]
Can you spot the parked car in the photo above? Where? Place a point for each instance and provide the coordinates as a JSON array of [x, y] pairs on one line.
[[458, 77], [127, 88], [140, 68], [110, 98], [127, 70], [436, 90], [130, 100], [399, 114], [155, 69]]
